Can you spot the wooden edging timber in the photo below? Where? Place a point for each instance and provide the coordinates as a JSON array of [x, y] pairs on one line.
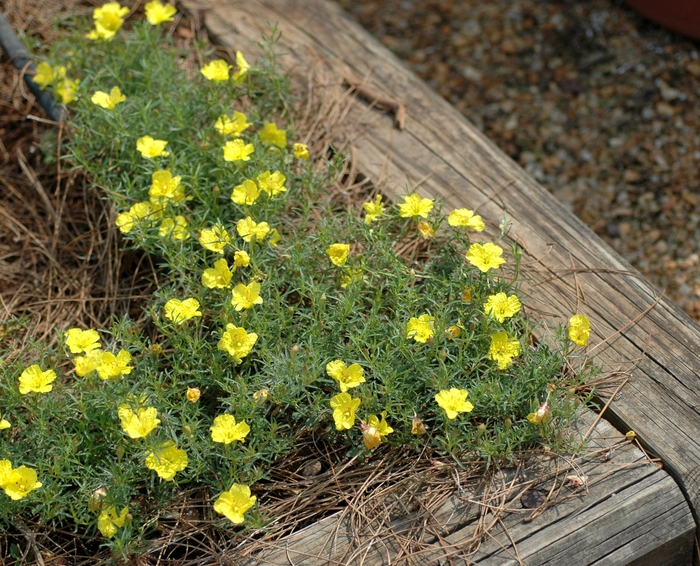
[[567, 268]]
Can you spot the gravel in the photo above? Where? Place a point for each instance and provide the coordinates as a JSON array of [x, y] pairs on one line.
[[595, 102]]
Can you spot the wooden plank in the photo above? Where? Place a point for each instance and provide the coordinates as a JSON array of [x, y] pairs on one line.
[[631, 512], [463, 168]]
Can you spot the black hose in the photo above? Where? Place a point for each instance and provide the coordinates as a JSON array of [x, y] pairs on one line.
[[20, 58]]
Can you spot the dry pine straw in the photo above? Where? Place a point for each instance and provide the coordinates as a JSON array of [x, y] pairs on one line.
[[61, 265]]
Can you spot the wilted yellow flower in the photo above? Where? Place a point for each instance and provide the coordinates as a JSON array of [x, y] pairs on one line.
[[237, 342], [175, 228], [501, 306], [272, 183], [82, 340], [344, 407], [417, 426], [413, 205], [579, 329], [347, 377], [167, 460], [108, 19], [217, 277], [17, 482], [467, 218], [109, 520], [275, 237], [351, 275], [454, 402], [630, 435], [421, 328], [88, 363], [503, 349], [150, 148], [271, 135], [246, 193], [112, 366], [67, 90], [217, 70], [542, 416], [193, 394], [158, 13], [232, 126], [243, 66], [485, 256], [426, 230], [453, 331], [139, 424], [234, 503], [108, 101], [33, 379], [238, 150], [214, 239], [248, 229], [165, 186], [46, 74], [338, 253], [301, 151], [245, 296], [226, 430], [179, 311], [374, 429], [241, 259], [373, 210], [262, 394], [139, 211]]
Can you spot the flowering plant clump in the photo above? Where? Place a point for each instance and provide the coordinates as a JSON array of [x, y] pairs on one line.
[[270, 317]]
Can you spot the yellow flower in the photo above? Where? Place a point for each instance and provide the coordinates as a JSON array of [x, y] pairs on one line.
[[175, 228], [109, 521], [158, 13], [347, 377], [414, 205], [238, 150], [338, 253], [217, 277], [453, 402], [237, 342], [232, 126], [127, 220], [46, 74], [245, 296], [112, 366], [234, 503], [243, 66], [246, 193], [35, 380], [542, 416], [272, 183], [630, 435], [226, 430], [344, 408], [179, 311], [150, 148], [500, 306], [67, 90], [88, 363], [214, 239], [82, 340], [421, 328], [275, 237], [165, 186], [108, 19], [426, 230], [193, 394], [4, 423], [108, 101], [139, 424], [467, 218], [579, 329], [241, 259], [301, 151], [374, 429], [271, 135], [167, 460], [485, 256], [17, 482], [352, 275], [503, 349], [373, 210], [248, 229], [217, 70]]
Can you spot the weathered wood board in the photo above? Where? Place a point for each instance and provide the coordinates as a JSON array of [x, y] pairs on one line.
[[567, 267]]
